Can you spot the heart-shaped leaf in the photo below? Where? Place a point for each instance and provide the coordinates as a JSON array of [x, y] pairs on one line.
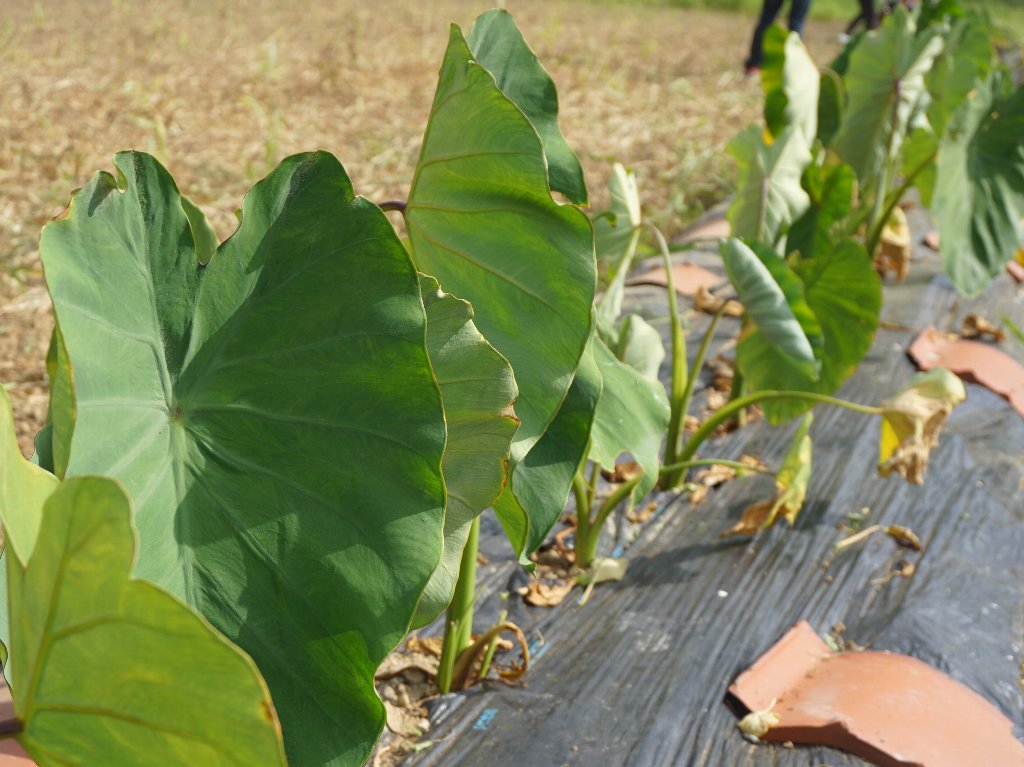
[[246, 405], [885, 87], [844, 293], [110, 670], [539, 487], [477, 390], [773, 298], [632, 416], [791, 82], [482, 222], [979, 187], [830, 186], [768, 195], [498, 46]]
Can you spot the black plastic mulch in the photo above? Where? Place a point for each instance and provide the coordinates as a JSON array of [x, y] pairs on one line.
[[638, 675]]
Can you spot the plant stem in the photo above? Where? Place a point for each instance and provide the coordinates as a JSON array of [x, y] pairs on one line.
[[610, 305], [875, 235], [588, 536], [680, 373], [585, 495], [389, 205], [671, 477], [722, 415], [458, 634], [879, 210]]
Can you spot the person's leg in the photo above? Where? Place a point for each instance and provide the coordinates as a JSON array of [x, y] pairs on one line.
[[798, 14], [867, 10], [769, 10]]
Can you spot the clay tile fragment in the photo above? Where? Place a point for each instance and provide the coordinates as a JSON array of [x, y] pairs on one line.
[[687, 278], [973, 361], [712, 228], [889, 709]]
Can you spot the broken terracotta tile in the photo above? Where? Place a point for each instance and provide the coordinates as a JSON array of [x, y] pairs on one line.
[[890, 709], [686, 277], [972, 361], [712, 228]]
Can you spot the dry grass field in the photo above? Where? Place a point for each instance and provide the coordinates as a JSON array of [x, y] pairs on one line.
[[220, 91]]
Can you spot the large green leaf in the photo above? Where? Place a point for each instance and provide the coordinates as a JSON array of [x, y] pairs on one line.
[[979, 188], [773, 298], [632, 416], [831, 103], [843, 291], [768, 195], [477, 390], [791, 82], [885, 87], [830, 186], [539, 487], [23, 488], [110, 670], [481, 220], [274, 417], [965, 61], [499, 47]]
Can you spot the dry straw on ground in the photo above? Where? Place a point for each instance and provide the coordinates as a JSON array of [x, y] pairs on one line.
[[220, 91]]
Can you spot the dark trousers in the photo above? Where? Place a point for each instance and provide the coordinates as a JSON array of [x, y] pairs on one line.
[[770, 9], [867, 16]]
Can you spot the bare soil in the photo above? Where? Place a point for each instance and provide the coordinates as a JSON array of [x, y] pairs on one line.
[[221, 91]]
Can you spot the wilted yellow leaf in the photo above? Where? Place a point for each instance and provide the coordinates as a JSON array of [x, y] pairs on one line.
[[894, 249], [912, 420], [790, 485]]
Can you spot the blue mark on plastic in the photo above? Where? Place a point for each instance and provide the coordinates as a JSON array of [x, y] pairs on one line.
[[485, 718], [617, 551], [538, 648]]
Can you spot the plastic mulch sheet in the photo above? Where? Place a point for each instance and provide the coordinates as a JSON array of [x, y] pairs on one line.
[[638, 675]]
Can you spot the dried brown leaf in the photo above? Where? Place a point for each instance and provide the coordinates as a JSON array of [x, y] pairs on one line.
[[425, 645], [546, 594], [641, 515], [905, 537], [976, 326], [706, 301], [623, 472], [722, 373], [790, 488]]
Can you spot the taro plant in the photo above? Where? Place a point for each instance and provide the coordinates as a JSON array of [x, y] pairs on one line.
[[921, 102], [309, 416], [241, 391]]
